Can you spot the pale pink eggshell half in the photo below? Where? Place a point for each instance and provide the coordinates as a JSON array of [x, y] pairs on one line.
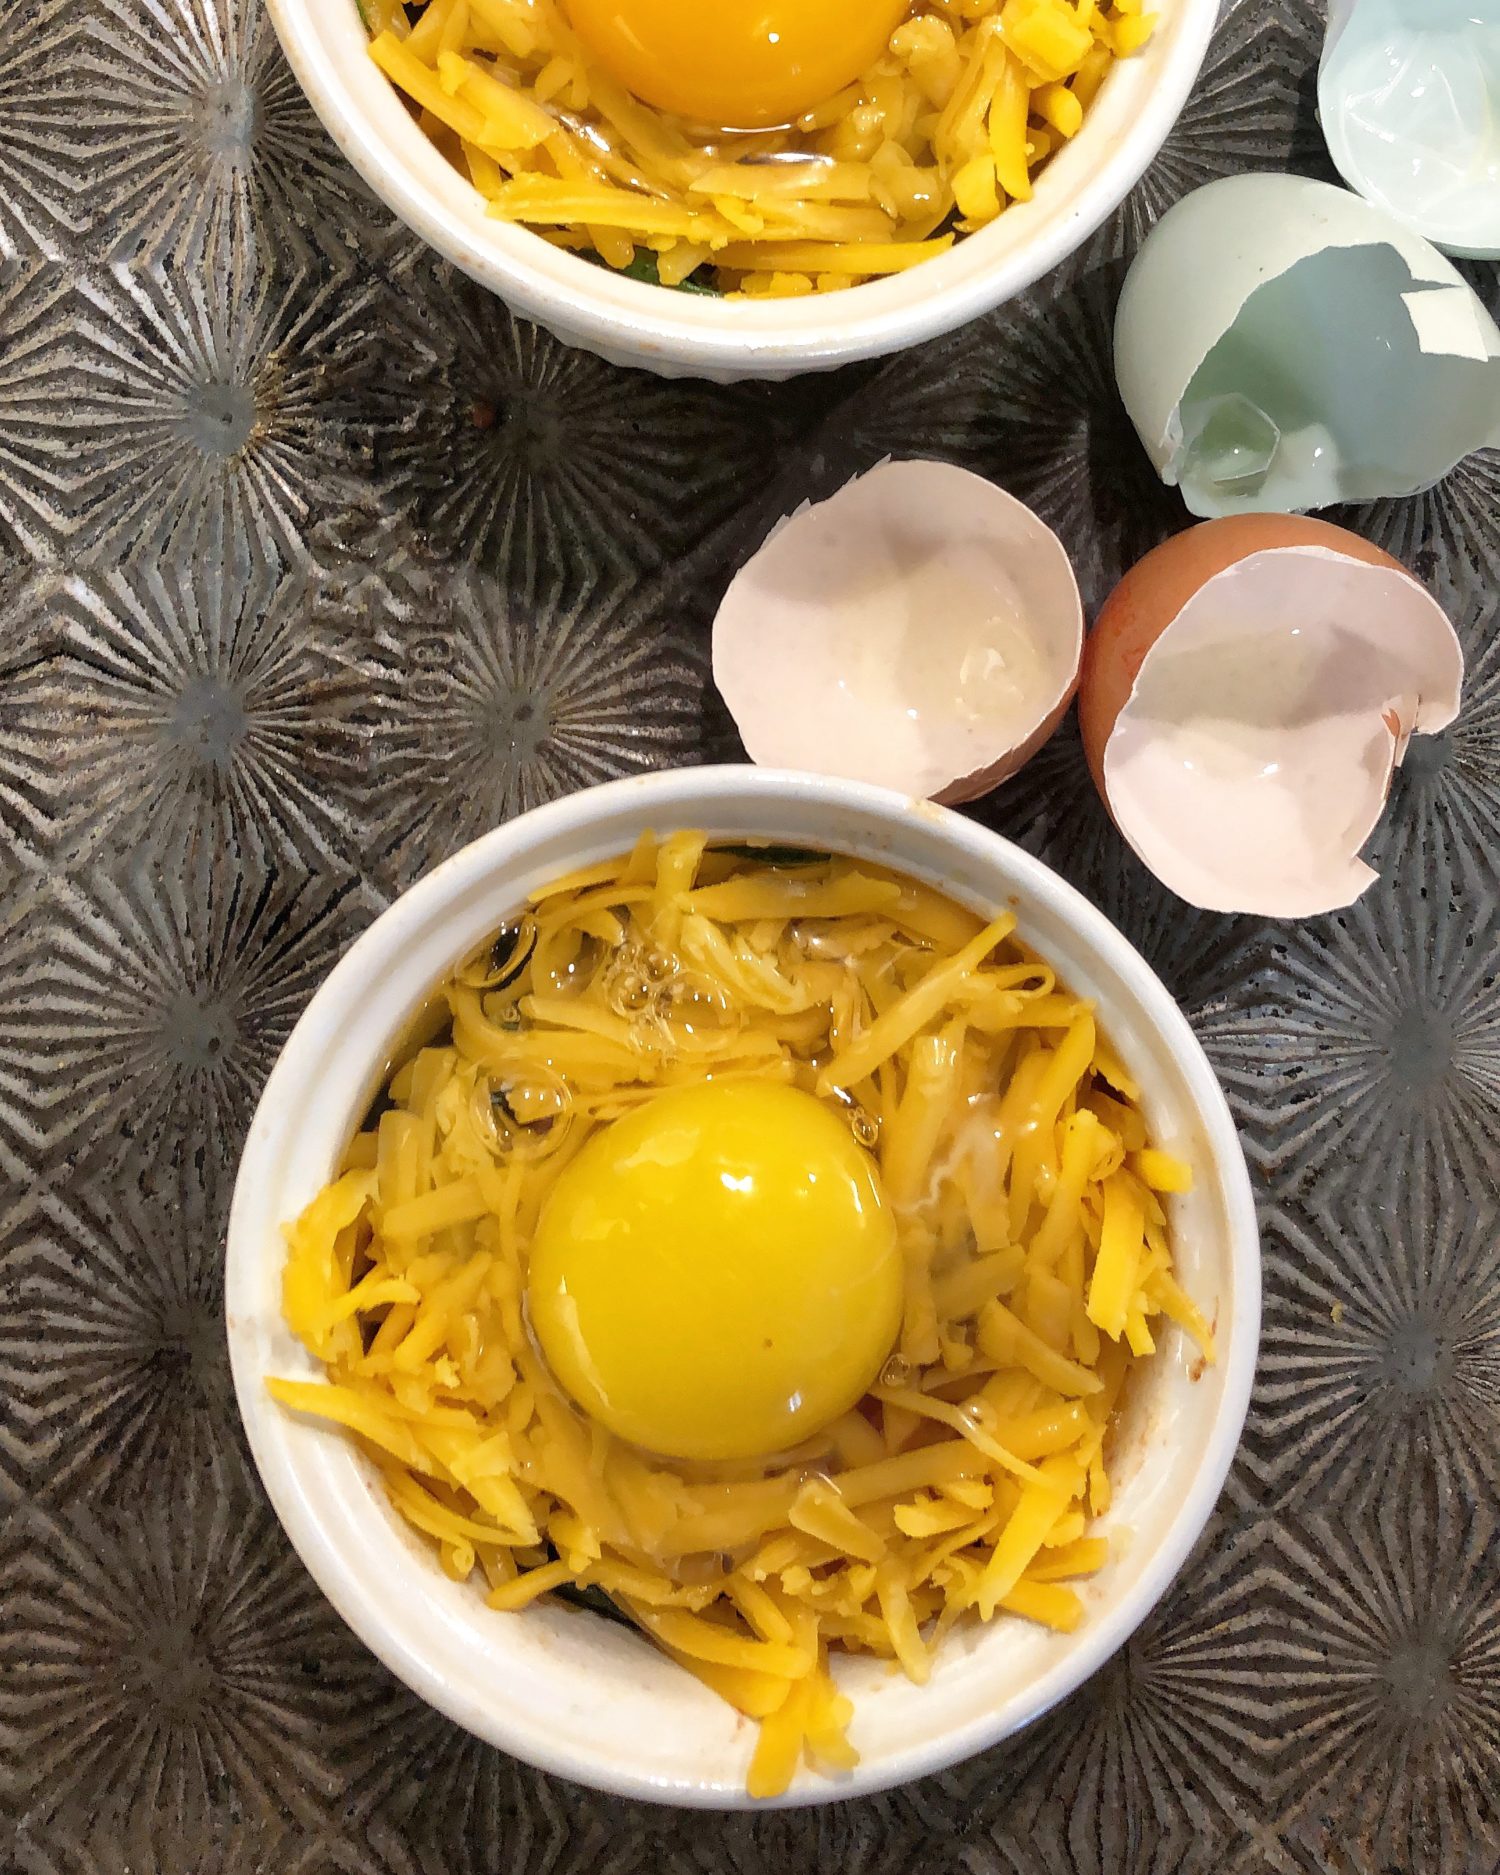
[[920, 629]]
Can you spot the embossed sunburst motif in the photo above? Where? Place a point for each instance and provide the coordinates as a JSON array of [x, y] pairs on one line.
[[195, 131], [482, 1812], [38, 384], [1052, 809], [148, 1006], [1380, 1354], [203, 706], [1248, 96], [31, 814], [1369, 1034], [1168, 1740], [497, 440], [1444, 817], [1387, 1665], [42, 166], [499, 697], [1044, 388], [1446, 536], [153, 1688], [202, 425], [134, 1381]]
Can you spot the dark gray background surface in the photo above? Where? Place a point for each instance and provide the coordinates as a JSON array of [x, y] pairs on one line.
[[314, 564]]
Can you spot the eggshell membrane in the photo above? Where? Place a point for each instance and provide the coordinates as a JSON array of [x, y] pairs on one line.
[[921, 629], [1356, 603]]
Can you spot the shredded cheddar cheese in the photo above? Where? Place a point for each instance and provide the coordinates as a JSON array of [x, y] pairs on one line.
[[937, 138]]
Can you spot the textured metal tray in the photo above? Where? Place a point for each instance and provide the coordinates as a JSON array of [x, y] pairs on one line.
[[313, 564]]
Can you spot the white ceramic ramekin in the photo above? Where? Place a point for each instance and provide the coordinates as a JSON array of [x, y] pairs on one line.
[[684, 334], [562, 1688]]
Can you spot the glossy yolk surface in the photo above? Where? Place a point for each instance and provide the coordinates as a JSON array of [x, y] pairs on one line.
[[735, 64], [716, 1275]]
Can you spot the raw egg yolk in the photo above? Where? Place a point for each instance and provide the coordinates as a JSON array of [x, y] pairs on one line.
[[735, 64], [716, 1275]]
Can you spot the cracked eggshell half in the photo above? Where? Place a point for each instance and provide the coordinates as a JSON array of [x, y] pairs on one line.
[[1409, 98], [1248, 690], [920, 629], [1282, 345]]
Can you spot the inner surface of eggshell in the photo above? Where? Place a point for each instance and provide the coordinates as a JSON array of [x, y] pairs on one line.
[[1155, 590], [1254, 754], [1339, 380], [1409, 99], [920, 629], [1281, 345]]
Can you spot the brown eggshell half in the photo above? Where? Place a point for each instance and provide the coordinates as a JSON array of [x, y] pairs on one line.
[[1247, 693], [1155, 590]]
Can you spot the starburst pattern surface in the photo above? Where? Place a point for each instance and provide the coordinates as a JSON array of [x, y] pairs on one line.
[[112, 1329], [1387, 1674], [314, 564], [499, 442], [155, 1694], [203, 707], [41, 163]]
